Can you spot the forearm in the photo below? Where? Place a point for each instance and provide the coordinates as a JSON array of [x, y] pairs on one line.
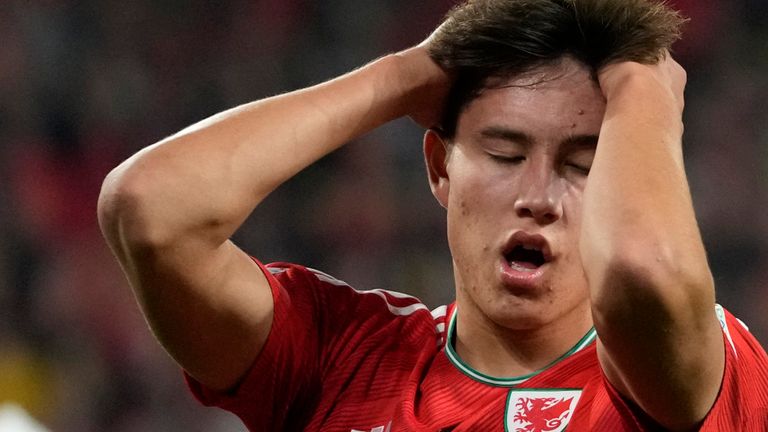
[[637, 205], [168, 211], [651, 288], [206, 179]]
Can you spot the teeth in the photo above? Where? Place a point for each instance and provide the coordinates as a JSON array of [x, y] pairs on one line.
[[518, 267]]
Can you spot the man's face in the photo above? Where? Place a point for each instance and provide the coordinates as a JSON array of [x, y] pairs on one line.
[[513, 185]]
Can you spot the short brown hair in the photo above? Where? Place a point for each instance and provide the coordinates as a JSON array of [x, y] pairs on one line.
[[484, 39]]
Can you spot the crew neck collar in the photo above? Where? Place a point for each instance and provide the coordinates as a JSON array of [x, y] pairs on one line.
[[467, 370]]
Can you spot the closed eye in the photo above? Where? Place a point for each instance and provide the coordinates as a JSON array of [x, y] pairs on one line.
[[578, 168], [513, 160]]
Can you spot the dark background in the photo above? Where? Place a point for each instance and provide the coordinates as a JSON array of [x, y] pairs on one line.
[[84, 84]]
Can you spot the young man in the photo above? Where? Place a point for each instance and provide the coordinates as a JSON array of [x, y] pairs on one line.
[[583, 296]]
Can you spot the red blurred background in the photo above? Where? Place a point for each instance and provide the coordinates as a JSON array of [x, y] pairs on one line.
[[84, 84]]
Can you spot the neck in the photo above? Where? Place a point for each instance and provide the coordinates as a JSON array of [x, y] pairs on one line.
[[495, 350]]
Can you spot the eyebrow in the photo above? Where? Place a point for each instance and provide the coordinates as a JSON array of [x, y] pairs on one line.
[[500, 132], [589, 141], [517, 136]]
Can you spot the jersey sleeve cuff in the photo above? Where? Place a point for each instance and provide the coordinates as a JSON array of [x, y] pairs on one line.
[[258, 375]]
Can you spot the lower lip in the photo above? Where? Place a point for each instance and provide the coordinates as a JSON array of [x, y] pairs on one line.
[[515, 276]]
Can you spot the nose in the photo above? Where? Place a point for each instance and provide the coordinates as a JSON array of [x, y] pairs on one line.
[[541, 196]]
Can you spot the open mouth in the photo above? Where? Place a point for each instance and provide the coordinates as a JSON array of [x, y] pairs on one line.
[[527, 252], [524, 257]]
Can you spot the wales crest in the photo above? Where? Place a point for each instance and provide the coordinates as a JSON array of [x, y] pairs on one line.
[[540, 410]]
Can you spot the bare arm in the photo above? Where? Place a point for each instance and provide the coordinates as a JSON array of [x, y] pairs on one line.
[[652, 291], [168, 211]]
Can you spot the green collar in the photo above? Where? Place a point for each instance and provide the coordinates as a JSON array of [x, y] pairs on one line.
[[504, 382]]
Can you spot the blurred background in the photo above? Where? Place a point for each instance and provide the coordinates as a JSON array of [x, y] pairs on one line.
[[84, 84]]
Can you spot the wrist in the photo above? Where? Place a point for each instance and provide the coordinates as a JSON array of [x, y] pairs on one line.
[[645, 99], [423, 85], [417, 71], [661, 85], [408, 83]]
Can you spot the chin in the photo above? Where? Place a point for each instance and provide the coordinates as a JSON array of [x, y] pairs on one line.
[[521, 315]]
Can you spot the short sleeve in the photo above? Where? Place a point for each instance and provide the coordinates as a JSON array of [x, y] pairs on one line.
[[742, 404], [286, 369], [320, 334]]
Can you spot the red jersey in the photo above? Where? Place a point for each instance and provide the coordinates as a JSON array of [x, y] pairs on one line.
[[338, 359]]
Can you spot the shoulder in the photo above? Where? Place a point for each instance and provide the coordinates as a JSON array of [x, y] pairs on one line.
[[295, 278], [339, 304], [740, 341], [742, 403]]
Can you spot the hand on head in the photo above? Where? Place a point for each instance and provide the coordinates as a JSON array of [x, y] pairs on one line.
[[667, 74]]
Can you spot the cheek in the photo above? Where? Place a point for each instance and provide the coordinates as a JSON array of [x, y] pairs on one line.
[[572, 211], [486, 184], [479, 206], [476, 207], [572, 204]]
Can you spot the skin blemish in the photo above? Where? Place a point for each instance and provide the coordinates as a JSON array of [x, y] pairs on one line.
[[581, 112], [573, 126]]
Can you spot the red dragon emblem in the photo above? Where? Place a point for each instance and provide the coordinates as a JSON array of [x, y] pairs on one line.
[[541, 414]]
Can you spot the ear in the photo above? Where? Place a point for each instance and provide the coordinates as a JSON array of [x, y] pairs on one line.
[[436, 155]]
